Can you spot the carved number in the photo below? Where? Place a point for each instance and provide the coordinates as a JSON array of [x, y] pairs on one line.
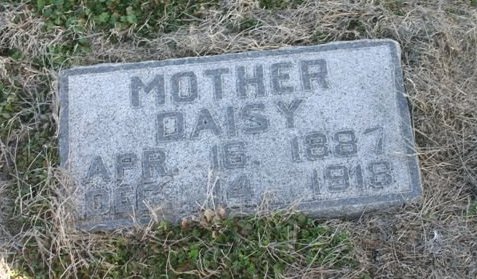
[[231, 155], [379, 133], [316, 146], [346, 143], [380, 174], [337, 177]]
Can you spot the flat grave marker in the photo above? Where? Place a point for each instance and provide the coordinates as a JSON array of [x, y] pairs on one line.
[[326, 127]]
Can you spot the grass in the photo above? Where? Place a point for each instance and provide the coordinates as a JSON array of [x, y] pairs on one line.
[[280, 4], [142, 17], [434, 238], [250, 247]]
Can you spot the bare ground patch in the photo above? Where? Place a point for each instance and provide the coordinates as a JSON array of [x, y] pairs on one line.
[[433, 238]]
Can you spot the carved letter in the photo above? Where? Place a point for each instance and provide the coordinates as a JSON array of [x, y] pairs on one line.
[[124, 162], [157, 83], [255, 122], [124, 200], [230, 123], [279, 75], [216, 75], [256, 80], [97, 168], [320, 75], [147, 196], [97, 202], [170, 126], [153, 162], [177, 87], [288, 110], [205, 121]]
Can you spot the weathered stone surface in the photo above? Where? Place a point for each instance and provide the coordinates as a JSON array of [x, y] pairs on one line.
[[326, 126]]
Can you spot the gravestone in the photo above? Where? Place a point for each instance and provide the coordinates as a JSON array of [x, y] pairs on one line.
[[326, 128]]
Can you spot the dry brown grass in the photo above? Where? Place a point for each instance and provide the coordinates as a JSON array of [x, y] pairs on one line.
[[433, 238]]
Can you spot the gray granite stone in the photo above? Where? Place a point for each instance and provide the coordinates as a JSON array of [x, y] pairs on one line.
[[324, 127]]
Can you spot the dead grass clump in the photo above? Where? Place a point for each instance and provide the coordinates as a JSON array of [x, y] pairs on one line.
[[433, 238]]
